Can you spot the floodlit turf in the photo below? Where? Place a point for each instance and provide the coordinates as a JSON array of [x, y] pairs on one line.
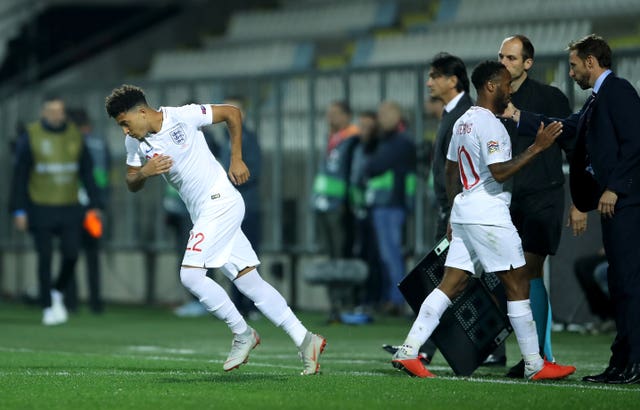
[[143, 358]]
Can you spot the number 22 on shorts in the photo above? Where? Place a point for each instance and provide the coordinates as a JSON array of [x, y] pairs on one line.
[[195, 239]]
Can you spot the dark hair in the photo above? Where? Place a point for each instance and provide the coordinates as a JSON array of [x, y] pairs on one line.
[[48, 97], [527, 48], [449, 65], [79, 116], [124, 98], [485, 72], [592, 45], [344, 107]]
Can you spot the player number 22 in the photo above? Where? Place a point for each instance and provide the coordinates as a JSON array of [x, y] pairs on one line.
[[199, 238]]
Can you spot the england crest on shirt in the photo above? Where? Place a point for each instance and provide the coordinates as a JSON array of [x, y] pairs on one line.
[[177, 135]]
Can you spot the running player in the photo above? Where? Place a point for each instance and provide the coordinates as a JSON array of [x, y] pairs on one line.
[[169, 142], [479, 157]]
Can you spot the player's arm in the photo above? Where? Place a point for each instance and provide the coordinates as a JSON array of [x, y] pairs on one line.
[[501, 171], [136, 176], [452, 180], [231, 115]]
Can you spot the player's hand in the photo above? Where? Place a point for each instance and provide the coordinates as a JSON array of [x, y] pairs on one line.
[[238, 172], [607, 203], [157, 165], [449, 231], [577, 221], [21, 222], [546, 136]]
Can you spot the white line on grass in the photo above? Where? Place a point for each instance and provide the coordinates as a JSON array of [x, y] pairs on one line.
[[258, 363]]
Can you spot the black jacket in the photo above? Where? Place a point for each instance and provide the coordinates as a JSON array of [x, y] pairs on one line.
[[443, 138], [545, 171], [610, 144]]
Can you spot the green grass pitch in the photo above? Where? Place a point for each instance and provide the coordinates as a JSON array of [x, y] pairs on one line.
[[145, 358]]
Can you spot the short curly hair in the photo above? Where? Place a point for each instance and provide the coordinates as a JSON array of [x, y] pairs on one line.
[[124, 98]]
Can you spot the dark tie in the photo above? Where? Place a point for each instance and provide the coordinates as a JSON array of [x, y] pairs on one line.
[[586, 116], [585, 119]]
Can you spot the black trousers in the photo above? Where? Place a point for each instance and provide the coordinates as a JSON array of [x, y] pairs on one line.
[[91, 248], [599, 303], [45, 223], [621, 244]]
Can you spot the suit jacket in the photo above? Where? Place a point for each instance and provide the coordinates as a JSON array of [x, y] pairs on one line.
[[443, 138], [607, 151]]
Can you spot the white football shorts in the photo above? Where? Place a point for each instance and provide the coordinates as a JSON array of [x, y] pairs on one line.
[[216, 239], [498, 248]]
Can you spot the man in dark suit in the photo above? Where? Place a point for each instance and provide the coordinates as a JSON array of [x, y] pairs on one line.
[[447, 81], [605, 175]]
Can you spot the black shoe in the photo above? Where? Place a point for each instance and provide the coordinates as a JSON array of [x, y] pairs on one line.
[[610, 373], [517, 371], [631, 375], [494, 361], [424, 358]]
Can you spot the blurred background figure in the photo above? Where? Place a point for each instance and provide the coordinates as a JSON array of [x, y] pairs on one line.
[[92, 231], [365, 245], [250, 191], [330, 195], [591, 273], [51, 161], [390, 191]]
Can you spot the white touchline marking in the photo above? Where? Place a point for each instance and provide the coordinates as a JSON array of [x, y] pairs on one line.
[[154, 349], [258, 363]]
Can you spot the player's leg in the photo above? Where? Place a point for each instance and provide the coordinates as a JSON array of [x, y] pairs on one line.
[[503, 254], [216, 301], [406, 358], [521, 317], [458, 263], [539, 299], [275, 308]]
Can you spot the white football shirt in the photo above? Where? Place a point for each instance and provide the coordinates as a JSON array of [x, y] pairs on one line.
[[196, 174], [479, 139]]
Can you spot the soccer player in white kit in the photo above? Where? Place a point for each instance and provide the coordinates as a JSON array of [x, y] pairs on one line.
[[169, 142], [478, 162]]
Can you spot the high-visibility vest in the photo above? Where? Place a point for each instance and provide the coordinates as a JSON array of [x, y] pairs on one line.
[[54, 179], [331, 183]]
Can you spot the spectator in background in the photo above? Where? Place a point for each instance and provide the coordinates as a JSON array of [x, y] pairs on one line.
[[250, 191], [390, 194], [51, 161], [365, 245], [92, 230], [591, 273], [330, 190]]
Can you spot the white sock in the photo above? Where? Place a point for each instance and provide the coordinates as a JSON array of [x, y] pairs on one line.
[[428, 318], [213, 297], [524, 327], [271, 303]]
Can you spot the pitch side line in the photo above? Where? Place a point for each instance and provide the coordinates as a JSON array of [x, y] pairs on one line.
[[257, 363]]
